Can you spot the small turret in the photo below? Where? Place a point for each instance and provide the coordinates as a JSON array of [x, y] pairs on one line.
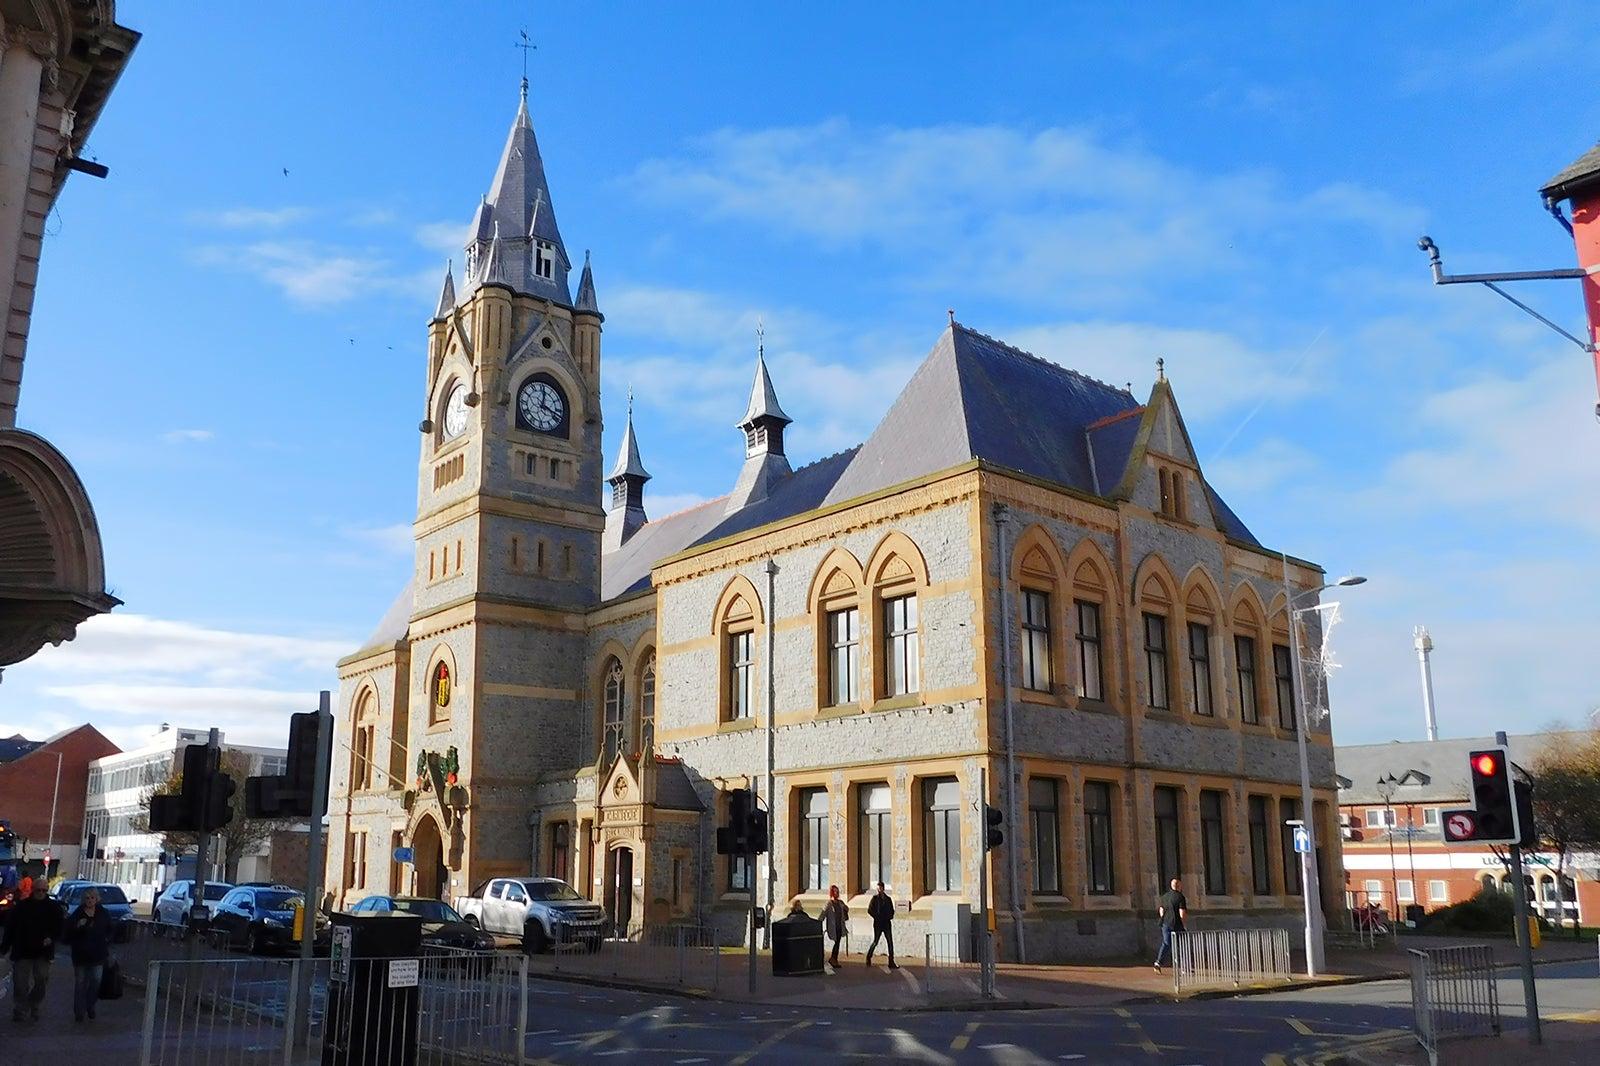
[[586, 321], [625, 514], [764, 461]]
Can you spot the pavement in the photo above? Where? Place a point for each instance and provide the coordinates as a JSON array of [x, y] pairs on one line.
[[114, 1037]]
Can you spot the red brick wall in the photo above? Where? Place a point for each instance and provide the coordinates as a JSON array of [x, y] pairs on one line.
[[28, 785]]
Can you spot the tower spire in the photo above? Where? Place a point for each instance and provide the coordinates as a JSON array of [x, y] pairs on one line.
[[532, 259], [763, 422], [626, 513]]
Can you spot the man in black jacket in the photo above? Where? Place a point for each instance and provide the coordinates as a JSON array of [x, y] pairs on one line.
[[31, 935], [881, 911]]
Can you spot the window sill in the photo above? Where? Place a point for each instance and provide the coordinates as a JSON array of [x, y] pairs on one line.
[[737, 725], [843, 710], [1097, 706], [441, 726], [1042, 699], [896, 703], [1207, 721]]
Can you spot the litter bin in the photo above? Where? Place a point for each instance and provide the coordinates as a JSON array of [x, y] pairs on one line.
[[1415, 913], [796, 946], [373, 1005]]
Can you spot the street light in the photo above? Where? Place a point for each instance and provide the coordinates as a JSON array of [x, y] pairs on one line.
[[1388, 785], [1309, 887]]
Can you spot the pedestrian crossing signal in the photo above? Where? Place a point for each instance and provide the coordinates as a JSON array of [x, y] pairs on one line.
[[993, 819]]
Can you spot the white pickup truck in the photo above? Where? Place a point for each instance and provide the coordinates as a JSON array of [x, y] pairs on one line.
[[544, 911]]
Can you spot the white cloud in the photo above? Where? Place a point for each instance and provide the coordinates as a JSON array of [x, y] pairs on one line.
[[254, 217], [130, 648], [1059, 215], [187, 436], [446, 238], [129, 714], [306, 273], [398, 539]]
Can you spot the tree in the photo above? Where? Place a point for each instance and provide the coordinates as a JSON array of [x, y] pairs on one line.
[[1566, 799], [241, 836]]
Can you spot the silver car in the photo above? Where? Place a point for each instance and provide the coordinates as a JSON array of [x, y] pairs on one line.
[[172, 907]]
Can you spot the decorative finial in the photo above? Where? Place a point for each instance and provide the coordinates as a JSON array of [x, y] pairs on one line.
[[1161, 372], [952, 314], [630, 401], [526, 46], [761, 338]]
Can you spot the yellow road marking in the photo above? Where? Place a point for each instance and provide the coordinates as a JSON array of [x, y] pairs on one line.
[[960, 1042], [740, 1060], [1273, 1059], [1138, 1031], [1300, 1027]]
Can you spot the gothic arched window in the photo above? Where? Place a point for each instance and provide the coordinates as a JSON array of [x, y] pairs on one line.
[[615, 712], [647, 707]]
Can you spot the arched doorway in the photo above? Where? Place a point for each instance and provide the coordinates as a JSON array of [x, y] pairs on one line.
[[432, 878], [619, 889]]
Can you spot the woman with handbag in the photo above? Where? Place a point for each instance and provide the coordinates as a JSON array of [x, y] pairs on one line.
[[834, 916], [89, 934]]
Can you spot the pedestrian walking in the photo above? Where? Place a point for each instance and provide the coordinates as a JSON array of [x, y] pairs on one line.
[[89, 934], [834, 916], [881, 910], [1173, 908], [30, 937]]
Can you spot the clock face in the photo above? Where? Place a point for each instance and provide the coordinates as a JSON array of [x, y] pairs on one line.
[[455, 412], [541, 406]]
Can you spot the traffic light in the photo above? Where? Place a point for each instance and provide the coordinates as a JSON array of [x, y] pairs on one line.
[[292, 794], [1492, 795], [756, 832], [198, 766], [219, 810], [166, 816], [301, 771], [993, 821], [1499, 805]]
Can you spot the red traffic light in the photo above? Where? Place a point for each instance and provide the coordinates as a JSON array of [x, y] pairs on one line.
[[1485, 763]]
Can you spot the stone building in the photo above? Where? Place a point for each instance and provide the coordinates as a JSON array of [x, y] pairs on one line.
[[1021, 571], [59, 60]]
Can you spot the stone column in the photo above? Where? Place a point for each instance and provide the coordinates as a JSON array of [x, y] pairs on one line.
[[21, 80]]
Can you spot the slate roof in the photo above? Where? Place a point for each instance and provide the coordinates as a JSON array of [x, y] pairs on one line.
[[396, 620], [1430, 771], [1583, 172], [973, 397], [16, 746], [517, 210], [674, 790], [976, 398]]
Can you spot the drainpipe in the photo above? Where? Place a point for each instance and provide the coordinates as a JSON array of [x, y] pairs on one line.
[[1002, 514], [770, 568]]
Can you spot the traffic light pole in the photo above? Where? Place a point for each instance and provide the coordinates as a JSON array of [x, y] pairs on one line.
[[1519, 896], [202, 861], [985, 970], [316, 851]]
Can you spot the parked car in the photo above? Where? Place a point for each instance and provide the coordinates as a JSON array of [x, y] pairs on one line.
[[257, 919], [172, 907], [112, 900], [59, 892], [545, 911], [441, 925]]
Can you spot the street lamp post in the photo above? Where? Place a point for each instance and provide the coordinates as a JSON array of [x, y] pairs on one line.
[[1309, 885], [1388, 785]]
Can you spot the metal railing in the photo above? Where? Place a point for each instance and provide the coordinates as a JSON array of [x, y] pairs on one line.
[[457, 1007], [684, 955], [1453, 994], [958, 963], [1210, 958]]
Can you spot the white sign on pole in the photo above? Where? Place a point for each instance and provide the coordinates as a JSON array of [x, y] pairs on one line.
[[403, 973]]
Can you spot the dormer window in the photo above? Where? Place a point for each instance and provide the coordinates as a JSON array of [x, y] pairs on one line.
[[544, 259]]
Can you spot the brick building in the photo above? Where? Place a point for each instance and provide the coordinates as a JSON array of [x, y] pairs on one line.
[[1021, 571], [48, 781], [1390, 796]]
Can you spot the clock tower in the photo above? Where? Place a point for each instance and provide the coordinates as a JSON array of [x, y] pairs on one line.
[[509, 520]]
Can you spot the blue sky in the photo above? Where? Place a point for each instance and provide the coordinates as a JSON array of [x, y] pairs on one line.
[[233, 356]]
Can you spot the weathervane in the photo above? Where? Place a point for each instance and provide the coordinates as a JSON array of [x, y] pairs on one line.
[[527, 46]]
